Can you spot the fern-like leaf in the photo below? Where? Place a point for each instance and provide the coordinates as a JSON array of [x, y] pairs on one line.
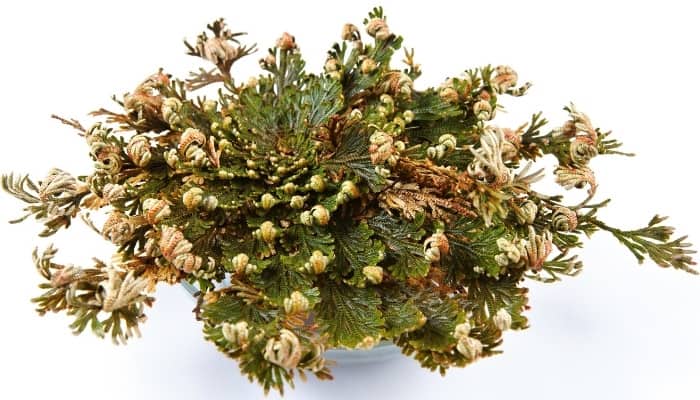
[[404, 244], [485, 296], [442, 316], [353, 155], [400, 312], [472, 245], [278, 281], [349, 314], [307, 240], [320, 100], [355, 249]]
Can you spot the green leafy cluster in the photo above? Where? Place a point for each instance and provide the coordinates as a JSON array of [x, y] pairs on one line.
[[330, 210]]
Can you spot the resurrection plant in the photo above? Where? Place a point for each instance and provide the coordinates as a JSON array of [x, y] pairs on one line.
[[331, 210]]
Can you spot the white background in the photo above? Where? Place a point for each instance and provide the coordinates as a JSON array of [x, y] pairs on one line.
[[617, 331]]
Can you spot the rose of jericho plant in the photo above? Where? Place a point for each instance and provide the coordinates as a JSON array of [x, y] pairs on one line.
[[331, 210]]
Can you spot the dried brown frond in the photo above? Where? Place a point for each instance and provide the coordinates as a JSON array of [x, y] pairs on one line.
[[93, 202], [153, 272], [411, 199], [74, 123], [426, 174], [296, 320]]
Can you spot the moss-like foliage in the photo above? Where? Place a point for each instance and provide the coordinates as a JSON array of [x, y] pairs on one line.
[[325, 210]]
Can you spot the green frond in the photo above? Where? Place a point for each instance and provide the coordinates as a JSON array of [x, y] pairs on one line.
[[485, 296], [352, 156], [354, 250], [232, 308], [349, 314], [321, 99], [278, 281], [654, 241], [473, 249], [404, 245], [306, 239], [401, 314], [442, 316]]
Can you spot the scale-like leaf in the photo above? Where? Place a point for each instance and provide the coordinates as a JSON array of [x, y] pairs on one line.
[[278, 281], [404, 244], [353, 155], [307, 239], [231, 308], [428, 106], [349, 314], [485, 296], [322, 98], [355, 250], [401, 314], [472, 245], [442, 316]]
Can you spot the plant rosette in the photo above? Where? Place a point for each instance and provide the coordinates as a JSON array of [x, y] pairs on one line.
[[345, 208]]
